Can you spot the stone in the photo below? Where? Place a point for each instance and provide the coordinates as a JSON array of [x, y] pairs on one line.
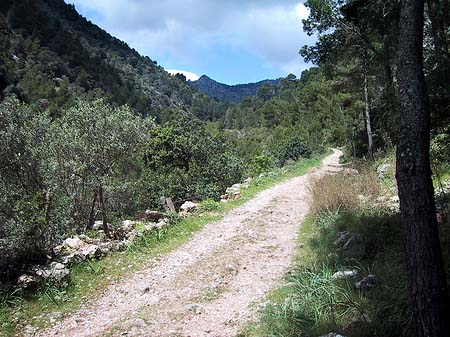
[[73, 243], [224, 197], [27, 281], [167, 204], [236, 195], [248, 180], [87, 239], [383, 169], [153, 215], [350, 245], [128, 225], [332, 334], [105, 247], [188, 206], [231, 190], [98, 225], [88, 251], [394, 199], [344, 274], [367, 282], [56, 272]]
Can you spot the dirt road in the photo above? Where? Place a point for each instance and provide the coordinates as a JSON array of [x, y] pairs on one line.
[[211, 285]]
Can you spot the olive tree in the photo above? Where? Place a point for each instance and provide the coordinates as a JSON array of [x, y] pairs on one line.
[[87, 143]]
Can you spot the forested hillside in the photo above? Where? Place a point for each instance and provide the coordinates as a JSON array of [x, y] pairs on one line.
[[50, 56], [233, 93]]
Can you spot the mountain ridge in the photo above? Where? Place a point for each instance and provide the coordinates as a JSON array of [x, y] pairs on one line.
[[230, 93]]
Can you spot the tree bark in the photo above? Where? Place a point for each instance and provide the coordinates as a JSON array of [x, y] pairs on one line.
[[428, 288], [367, 111], [103, 210], [92, 212]]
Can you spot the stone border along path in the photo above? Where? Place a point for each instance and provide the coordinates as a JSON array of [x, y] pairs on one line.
[[210, 285]]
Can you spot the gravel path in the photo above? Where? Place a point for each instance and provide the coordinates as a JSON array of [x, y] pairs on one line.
[[209, 286]]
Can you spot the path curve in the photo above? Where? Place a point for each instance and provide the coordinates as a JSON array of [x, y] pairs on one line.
[[207, 287]]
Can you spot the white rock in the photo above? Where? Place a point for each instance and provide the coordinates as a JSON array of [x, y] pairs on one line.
[[188, 206], [395, 199], [127, 225], [344, 274], [383, 169], [73, 243]]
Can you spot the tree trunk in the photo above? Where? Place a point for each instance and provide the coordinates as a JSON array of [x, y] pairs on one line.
[[92, 212], [103, 210], [367, 110], [428, 289]]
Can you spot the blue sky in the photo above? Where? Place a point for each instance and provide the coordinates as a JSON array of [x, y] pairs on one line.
[[234, 41]]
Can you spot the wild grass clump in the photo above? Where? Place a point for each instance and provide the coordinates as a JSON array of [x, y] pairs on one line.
[[343, 191], [317, 305]]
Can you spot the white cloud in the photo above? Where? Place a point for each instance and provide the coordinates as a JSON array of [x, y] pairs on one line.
[[190, 76], [172, 30]]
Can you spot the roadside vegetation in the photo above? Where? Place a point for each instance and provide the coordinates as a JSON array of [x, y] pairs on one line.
[[20, 308], [353, 227]]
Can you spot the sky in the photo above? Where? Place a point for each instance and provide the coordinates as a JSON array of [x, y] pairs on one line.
[[231, 41]]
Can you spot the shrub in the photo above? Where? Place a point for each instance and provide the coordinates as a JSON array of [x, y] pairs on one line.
[[339, 192]]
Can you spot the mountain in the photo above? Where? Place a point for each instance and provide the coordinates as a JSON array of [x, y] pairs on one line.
[[50, 56], [231, 93]]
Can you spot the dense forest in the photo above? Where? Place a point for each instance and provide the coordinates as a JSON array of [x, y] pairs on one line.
[[91, 130]]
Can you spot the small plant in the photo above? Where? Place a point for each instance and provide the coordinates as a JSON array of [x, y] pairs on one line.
[[209, 205]]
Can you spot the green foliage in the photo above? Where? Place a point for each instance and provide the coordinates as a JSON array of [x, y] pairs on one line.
[[191, 163], [24, 223]]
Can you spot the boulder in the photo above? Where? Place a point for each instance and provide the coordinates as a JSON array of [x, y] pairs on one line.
[[56, 272], [367, 282], [383, 170], [332, 334], [344, 274], [188, 206], [350, 245], [167, 204], [236, 195], [73, 243]]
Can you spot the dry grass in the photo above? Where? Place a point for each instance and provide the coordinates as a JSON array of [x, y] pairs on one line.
[[342, 191]]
